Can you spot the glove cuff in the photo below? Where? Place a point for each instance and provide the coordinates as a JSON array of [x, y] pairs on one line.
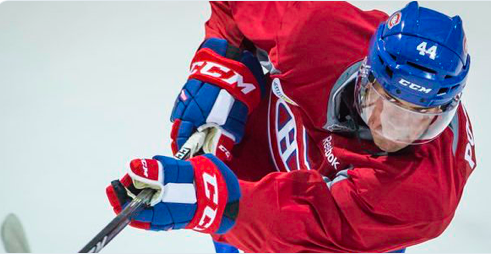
[[233, 76], [217, 189]]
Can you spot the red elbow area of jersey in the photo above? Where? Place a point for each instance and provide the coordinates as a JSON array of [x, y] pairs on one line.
[[228, 74]]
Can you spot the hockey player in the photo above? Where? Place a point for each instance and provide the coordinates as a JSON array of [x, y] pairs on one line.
[[355, 141]]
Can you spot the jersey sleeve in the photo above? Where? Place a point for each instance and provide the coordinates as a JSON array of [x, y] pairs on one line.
[[243, 23], [298, 212], [222, 24]]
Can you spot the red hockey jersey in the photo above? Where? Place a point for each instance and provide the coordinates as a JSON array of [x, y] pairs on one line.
[[306, 186]]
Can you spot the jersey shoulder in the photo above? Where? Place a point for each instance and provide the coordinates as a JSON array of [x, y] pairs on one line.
[[315, 36], [428, 178], [316, 44], [463, 142]]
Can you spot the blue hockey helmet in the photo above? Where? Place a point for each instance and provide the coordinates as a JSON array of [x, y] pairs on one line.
[[417, 61]]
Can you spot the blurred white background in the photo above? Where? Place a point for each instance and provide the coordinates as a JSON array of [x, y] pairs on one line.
[[87, 86]]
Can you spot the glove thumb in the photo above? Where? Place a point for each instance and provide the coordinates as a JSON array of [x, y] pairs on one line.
[[219, 142]]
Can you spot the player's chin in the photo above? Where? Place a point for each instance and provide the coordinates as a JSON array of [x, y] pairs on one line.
[[387, 145]]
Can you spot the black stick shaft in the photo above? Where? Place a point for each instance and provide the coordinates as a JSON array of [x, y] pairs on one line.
[[118, 223]]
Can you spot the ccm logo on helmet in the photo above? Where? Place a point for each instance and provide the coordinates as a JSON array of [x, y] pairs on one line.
[[414, 86], [222, 73], [211, 193]]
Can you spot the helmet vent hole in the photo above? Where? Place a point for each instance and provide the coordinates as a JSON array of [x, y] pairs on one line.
[[442, 91], [393, 56], [455, 87], [389, 71], [381, 60], [371, 77], [422, 68], [448, 76]]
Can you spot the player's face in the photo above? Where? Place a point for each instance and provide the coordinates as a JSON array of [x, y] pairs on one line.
[[394, 123]]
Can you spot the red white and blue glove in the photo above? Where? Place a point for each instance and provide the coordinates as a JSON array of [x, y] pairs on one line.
[[224, 87], [201, 193]]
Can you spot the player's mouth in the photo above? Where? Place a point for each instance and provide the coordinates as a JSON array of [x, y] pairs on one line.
[[380, 141]]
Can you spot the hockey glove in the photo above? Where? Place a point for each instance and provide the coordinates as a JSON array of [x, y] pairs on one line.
[[200, 194], [224, 86]]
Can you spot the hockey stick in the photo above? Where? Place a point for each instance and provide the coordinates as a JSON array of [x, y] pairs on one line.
[[118, 223], [191, 147], [13, 237]]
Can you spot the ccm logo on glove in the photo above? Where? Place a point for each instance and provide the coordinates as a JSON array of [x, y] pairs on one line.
[[233, 76], [223, 73], [212, 195]]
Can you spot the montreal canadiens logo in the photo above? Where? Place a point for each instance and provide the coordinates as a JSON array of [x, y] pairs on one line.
[[394, 20]]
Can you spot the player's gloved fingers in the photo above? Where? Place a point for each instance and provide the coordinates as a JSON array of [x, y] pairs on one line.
[[140, 225], [224, 149], [145, 171], [113, 199], [147, 174], [173, 135], [142, 220], [180, 104], [174, 147], [207, 97], [219, 143], [145, 215], [199, 106], [160, 228], [117, 195], [180, 133], [162, 217], [192, 87], [176, 171], [131, 191], [193, 113], [236, 120], [186, 95], [182, 213], [186, 107]]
